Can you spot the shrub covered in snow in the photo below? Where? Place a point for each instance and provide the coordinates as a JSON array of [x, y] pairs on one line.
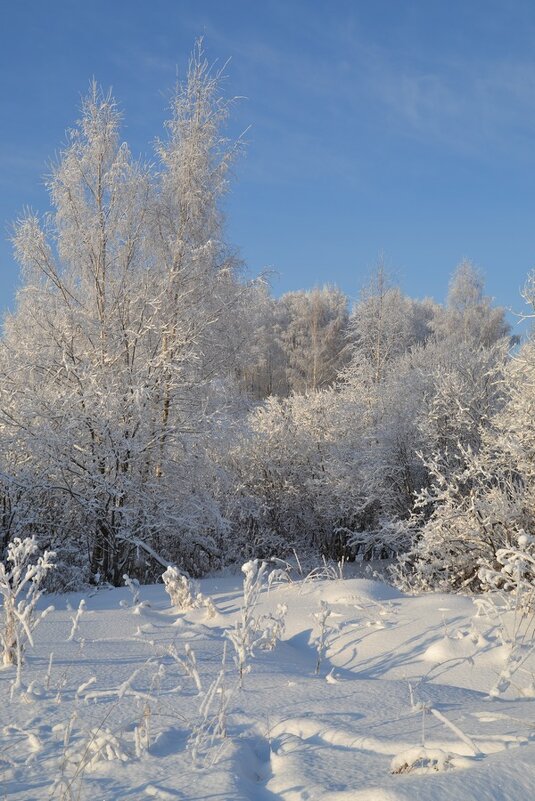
[[21, 577], [184, 592]]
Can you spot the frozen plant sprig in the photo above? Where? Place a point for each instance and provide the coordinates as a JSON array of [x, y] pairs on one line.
[[142, 732], [280, 573], [187, 663], [20, 587], [75, 620], [427, 759], [49, 671], [211, 727], [133, 586], [273, 626], [245, 635], [321, 617], [327, 571]]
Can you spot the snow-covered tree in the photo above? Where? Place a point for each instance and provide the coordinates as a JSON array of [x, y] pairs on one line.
[[469, 315], [314, 339], [385, 323], [110, 359], [262, 366]]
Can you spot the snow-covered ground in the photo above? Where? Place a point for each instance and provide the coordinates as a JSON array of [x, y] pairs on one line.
[[400, 708]]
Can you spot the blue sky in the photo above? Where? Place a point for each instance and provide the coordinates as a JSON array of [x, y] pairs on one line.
[[377, 126]]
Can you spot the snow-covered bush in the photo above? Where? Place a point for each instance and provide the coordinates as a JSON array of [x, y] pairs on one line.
[[473, 501], [512, 604], [516, 573], [181, 590], [21, 578], [184, 592], [101, 745], [303, 475]]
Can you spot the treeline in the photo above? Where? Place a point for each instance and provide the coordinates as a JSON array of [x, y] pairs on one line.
[[155, 407]]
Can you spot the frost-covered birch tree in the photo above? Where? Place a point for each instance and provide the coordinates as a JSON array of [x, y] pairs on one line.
[[108, 362]]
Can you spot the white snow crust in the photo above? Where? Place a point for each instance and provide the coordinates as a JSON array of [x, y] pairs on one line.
[[400, 709]]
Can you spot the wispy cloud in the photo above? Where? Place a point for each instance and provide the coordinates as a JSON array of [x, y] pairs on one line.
[[18, 170], [467, 105], [469, 102]]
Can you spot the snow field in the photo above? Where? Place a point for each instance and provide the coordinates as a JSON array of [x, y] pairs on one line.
[[400, 708]]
